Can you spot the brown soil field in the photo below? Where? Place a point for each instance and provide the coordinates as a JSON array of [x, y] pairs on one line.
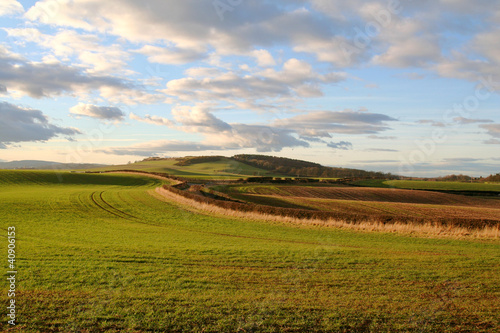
[[372, 201], [371, 194]]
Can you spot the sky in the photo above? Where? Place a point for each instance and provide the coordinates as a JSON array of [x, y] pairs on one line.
[[400, 86]]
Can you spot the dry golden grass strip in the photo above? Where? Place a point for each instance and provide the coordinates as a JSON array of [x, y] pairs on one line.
[[428, 229]]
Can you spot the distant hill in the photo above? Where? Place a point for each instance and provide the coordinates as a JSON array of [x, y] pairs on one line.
[[241, 166], [194, 167], [298, 168], [46, 165]]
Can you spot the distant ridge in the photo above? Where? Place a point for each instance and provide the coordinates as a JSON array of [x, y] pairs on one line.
[[46, 165], [301, 168]]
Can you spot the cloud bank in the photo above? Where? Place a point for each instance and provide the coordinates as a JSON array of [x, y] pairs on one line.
[[18, 124]]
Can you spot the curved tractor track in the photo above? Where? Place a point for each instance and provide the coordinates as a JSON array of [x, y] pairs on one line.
[[110, 209]]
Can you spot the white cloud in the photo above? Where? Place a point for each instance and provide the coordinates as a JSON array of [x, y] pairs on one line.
[[323, 123], [18, 124], [293, 132], [259, 137], [297, 79], [48, 79], [160, 147], [199, 119], [264, 58], [414, 52], [173, 55], [98, 112], [10, 7], [89, 49], [153, 120], [487, 44]]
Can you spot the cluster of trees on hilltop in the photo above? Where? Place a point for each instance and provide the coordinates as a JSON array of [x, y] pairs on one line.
[[465, 178], [273, 163], [454, 178], [298, 168], [190, 160], [493, 178]]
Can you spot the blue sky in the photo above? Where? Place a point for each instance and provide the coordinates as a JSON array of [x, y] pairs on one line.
[[408, 87]]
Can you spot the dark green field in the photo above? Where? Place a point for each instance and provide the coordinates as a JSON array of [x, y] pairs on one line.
[[430, 185], [105, 253]]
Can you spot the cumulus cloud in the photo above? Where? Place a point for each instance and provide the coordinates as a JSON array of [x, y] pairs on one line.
[[48, 79], [98, 112], [18, 124], [297, 131], [264, 58], [263, 138], [153, 120], [89, 48], [297, 79], [259, 137], [414, 52], [322, 123], [10, 7], [408, 34], [199, 119], [239, 136], [244, 57], [173, 55]]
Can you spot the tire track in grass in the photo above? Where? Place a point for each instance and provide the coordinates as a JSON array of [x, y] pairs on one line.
[[92, 197], [116, 209], [150, 223]]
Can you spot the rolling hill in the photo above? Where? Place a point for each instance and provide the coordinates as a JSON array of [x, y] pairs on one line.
[[107, 253], [241, 166], [46, 165], [213, 167]]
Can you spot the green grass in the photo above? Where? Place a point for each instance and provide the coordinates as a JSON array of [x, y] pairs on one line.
[[430, 185], [98, 253], [224, 169]]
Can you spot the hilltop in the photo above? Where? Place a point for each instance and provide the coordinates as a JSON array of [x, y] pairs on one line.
[[46, 165], [238, 166]]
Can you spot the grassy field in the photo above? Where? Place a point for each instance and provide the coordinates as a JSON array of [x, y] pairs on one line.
[[105, 253], [223, 169], [430, 185]]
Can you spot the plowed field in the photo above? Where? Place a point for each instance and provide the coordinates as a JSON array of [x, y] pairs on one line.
[[372, 201]]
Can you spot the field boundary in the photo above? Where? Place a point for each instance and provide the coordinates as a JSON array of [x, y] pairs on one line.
[[196, 200], [424, 228]]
